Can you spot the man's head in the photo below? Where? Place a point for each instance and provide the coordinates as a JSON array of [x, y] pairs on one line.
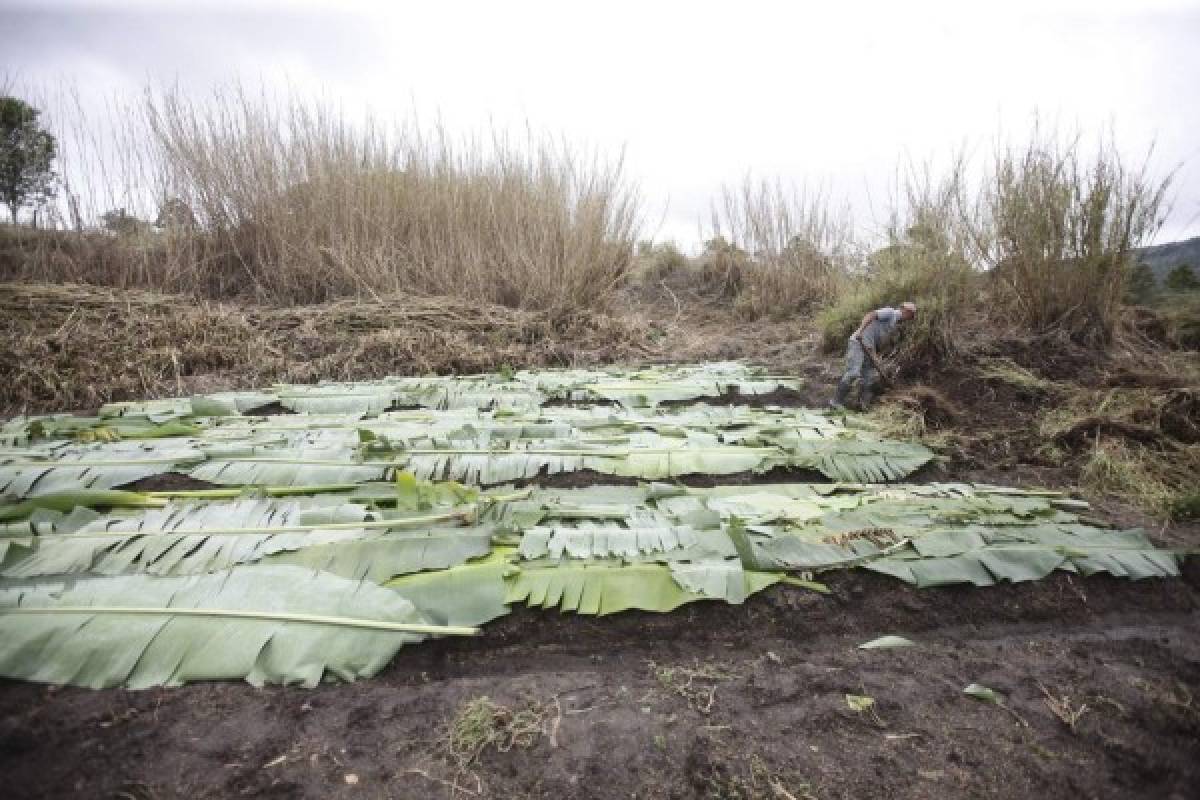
[[908, 310]]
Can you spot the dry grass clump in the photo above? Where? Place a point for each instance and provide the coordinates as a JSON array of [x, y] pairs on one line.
[[74, 347], [921, 413], [292, 202], [1160, 480], [697, 684], [1139, 445], [482, 723], [778, 250], [1004, 370], [1043, 243], [656, 262], [1059, 226]]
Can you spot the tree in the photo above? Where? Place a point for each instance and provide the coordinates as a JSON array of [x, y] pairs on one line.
[[27, 154], [1140, 286], [1182, 279], [122, 223], [174, 212]]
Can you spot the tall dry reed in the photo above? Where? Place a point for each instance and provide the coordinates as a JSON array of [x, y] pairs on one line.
[[295, 202], [793, 247], [1058, 227]]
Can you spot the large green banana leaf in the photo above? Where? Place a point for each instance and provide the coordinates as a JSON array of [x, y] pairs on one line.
[[604, 541], [288, 468], [861, 461], [468, 594], [989, 565], [223, 404], [385, 557], [360, 401], [606, 588], [97, 467], [721, 579], [140, 631], [185, 539]]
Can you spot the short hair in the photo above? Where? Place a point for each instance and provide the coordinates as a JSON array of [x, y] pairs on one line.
[[909, 306]]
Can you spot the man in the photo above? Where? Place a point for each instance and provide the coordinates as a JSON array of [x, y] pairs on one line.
[[876, 331]]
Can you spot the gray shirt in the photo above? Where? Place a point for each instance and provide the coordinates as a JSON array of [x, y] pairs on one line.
[[879, 333]]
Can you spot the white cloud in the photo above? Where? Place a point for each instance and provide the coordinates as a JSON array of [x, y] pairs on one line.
[[697, 93]]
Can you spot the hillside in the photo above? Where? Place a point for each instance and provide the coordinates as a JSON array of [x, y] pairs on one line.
[[1162, 258]]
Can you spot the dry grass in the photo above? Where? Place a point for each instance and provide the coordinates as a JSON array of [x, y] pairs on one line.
[[697, 684], [285, 201], [1043, 243], [76, 347], [1139, 445], [1062, 708], [1059, 227], [1005, 370], [1160, 481], [778, 250], [481, 723]]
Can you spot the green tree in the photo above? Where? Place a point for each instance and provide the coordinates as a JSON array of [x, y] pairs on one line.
[[1182, 279], [1140, 285], [122, 223], [27, 154]]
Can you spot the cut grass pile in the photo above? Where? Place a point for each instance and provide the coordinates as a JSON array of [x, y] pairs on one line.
[[77, 347]]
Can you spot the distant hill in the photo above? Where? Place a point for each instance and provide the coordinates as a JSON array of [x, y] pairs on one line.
[[1162, 258]]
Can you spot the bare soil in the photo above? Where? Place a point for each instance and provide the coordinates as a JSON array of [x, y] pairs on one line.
[[710, 701]]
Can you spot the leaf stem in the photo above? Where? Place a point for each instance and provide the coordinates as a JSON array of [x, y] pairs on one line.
[[311, 619]]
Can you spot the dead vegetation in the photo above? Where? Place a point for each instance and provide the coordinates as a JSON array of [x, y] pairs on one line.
[[776, 250], [73, 347], [482, 723], [280, 199], [1062, 708], [697, 684]]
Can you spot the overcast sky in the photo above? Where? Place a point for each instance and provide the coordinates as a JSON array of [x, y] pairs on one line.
[[830, 93]]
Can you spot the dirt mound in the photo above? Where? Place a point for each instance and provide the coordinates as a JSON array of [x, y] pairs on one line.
[[72, 347]]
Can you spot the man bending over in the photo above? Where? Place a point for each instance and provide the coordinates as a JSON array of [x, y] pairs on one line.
[[877, 330]]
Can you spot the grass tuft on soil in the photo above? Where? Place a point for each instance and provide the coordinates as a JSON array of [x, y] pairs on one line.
[[482, 723]]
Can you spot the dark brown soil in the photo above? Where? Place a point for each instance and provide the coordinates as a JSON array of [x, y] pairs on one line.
[[764, 715], [168, 482], [785, 398], [270, 410], [586, 477]]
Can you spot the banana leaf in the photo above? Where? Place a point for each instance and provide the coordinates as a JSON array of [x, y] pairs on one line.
[[390, 555], [98, 467], [603, 541], [186, 539], [140, 631], [468, 594], [607, 588]]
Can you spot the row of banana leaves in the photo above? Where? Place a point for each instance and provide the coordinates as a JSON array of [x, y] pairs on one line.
[[520, 391], [483, 447], [103, 587]]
